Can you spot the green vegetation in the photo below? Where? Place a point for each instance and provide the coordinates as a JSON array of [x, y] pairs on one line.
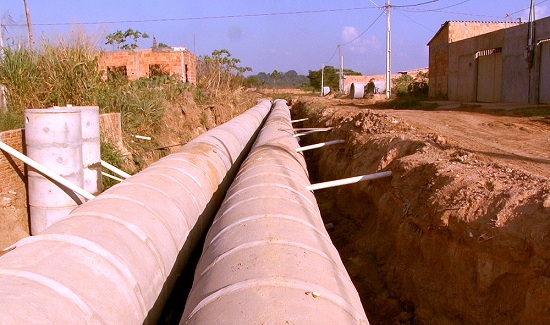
[[220, 73], [110, 153], [120, 39], [56, 75], [331, 77], [277, 79], [406, 101], [407, 85]]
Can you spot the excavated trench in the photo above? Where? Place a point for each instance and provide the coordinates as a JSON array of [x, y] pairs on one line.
[[450, 238]]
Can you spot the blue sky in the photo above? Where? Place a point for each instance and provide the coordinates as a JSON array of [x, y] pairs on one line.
[[266, 35]]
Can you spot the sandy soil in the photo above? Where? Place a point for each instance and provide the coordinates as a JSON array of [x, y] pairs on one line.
[[459, 233]]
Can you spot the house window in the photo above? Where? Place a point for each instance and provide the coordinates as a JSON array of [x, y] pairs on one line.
[[117, 72], [158, 70]]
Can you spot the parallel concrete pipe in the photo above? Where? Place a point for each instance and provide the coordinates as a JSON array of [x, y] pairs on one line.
[[267, 256], [114, 259]]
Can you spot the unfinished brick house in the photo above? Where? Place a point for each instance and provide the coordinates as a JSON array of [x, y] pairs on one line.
[[489, 62], [150, 62]]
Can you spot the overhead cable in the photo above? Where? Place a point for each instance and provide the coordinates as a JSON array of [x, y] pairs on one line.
[[200, 18]]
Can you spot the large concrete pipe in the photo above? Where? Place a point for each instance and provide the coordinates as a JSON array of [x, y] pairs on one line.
[[267, 258], [115, 258], [53, 138], [357, 90]]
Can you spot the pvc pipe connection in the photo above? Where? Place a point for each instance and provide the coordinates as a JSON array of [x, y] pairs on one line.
[[267, 256], [115, 259], [112, 177], [319, 145], [312, 131], [347, 181], [49, 173], [115, 170]]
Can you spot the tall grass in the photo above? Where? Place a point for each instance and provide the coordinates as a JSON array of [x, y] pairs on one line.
[[56, 75]]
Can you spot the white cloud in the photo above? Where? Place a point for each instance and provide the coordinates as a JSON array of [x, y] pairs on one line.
[[364, 44], [349, 33]]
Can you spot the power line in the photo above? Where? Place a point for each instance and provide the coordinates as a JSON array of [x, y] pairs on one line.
[[335, 50], [536, 4], [436, 10], [353, 40], [202, 17], [419, 24], [356, 38], [416, 4]]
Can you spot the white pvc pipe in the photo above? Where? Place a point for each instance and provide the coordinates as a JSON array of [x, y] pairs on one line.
[[319, 145], [300, 120], [111, 177], [350, 180], [141, 137], [114, 169], [46, 171], [313, 129], [308, 132]]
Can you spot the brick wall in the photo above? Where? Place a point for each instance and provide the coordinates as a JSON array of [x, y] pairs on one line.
[[348, 80], [137, 62], [12, 170], [459, 30]]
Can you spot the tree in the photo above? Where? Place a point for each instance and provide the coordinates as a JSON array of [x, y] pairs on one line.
[[120, 39], [220, 72], [331, 77], [274, 76]]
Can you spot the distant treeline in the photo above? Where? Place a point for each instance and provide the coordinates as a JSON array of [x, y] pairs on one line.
[[276, 79]]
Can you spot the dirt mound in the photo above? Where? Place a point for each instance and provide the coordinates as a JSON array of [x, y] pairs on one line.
[[455, 236]]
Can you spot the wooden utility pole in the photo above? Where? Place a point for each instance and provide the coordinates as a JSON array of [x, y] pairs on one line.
[[29, 25]]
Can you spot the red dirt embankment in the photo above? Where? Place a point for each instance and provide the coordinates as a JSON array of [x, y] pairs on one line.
[[460, 233]]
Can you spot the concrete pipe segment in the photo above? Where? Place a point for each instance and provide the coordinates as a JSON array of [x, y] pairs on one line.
[[267, 258], [53, 138], [115, 258]]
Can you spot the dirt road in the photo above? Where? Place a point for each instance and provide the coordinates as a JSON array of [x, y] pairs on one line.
[[517, 141]]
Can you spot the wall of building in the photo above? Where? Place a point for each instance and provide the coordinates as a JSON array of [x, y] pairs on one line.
[[440, 53], [519, 82], [438, 63], [462, 69], [138, 62], [459, 30], [348, 80]]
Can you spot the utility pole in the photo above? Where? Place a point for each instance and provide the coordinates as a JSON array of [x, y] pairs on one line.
[[341, 79], [323, 80], [3, 106], [388, 50], [29, 25], [531, 35]]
